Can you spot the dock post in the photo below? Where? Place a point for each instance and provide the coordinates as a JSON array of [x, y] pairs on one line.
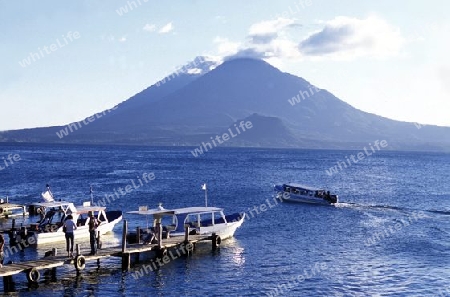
[[124, 236], [8, 284], [126, 261], [53, 274], [99, 246], [54, 252], [186, 239], [13, 224], [138, 235], [186, 233], [99, 242], [77, 247], [125, 256], [159, 234]]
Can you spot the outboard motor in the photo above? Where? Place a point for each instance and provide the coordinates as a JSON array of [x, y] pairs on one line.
[[333, 198]]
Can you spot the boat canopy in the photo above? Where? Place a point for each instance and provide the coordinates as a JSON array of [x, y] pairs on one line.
[[197, 210], [186, 210], [54, 204], [64, 205], [68, 207], [179, 215], [86, 209], [302, 187]]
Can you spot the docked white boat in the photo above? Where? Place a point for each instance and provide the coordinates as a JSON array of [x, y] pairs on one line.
[[200, 220], [8, 210], [49, 228], [47, 196], [293, 192]]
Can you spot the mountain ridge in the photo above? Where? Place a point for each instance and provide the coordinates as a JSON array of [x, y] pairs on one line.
[[188, 106]]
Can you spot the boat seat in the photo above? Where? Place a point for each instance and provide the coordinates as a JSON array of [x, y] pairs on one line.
[[148, 238], [165, 231]]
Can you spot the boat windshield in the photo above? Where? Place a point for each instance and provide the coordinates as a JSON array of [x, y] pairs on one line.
[[204, 219]]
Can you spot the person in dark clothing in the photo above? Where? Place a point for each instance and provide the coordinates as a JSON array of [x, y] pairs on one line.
[[93, 224], [2, 254]]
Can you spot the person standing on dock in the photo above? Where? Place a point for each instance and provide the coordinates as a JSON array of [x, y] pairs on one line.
[[70, 227], [2, 254], [93, 224]]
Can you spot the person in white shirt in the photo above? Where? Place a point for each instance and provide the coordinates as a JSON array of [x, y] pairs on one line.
[[69, 226]]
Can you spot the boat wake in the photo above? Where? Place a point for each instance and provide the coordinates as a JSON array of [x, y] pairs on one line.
[[383, 207], [370, 206], [441, 212], [440, 230]]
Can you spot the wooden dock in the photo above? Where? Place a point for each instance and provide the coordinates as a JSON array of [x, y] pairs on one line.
[[33, 268], [7, 209]]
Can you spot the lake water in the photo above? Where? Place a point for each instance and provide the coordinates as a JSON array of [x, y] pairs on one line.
[[388, 236]]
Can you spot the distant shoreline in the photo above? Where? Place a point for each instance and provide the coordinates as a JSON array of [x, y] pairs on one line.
[[192, 146]]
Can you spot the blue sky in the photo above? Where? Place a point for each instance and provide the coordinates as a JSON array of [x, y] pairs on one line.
[[63, 61]]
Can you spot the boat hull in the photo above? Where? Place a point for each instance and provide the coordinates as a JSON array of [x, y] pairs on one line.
[[81, 232], [224, 230], [289, 197]]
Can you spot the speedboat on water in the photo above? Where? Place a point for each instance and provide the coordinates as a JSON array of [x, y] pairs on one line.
[[49, 228], [293, 192], [201, 220]]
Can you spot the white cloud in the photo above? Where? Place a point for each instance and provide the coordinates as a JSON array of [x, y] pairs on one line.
[[221, 19], [270, 27], [267, 40], [342, 38], [267, 31], [166, 29], [149, 27], [285, 48], [225, 47], [349, 38], [123, 38]]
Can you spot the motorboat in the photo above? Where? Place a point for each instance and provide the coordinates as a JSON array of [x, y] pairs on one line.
[[200, 220], [49, 228], [8, 209], [47, 196], [294, 192]]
